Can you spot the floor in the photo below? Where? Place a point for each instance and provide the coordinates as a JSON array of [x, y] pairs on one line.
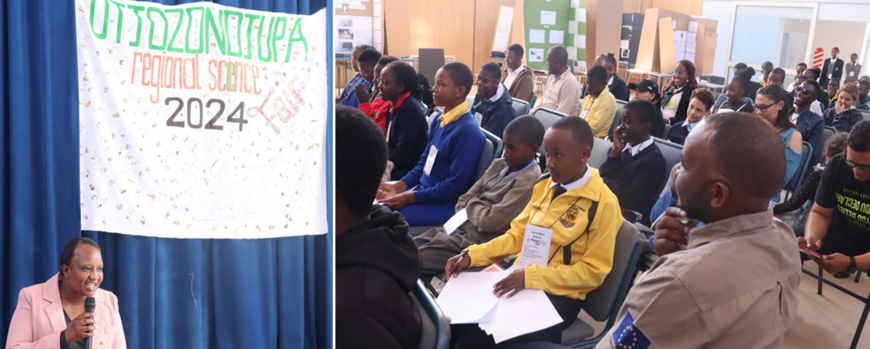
[[827, 321]]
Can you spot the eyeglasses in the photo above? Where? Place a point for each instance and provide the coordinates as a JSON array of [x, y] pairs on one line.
[[484, 80], [761, 109], [852, 165]]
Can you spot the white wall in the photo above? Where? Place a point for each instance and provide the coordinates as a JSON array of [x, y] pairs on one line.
[[722, 11], [848, 36]]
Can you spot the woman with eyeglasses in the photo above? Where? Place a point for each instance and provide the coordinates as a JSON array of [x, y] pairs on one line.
[[675, 99], [843, 115], [770, 105]]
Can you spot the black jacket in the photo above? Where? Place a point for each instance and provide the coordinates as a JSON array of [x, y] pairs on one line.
[[406, 137], [494, 116], [844, 121], [835, 75], [683, 107], [678, 133], [636, 180], [376, 267]]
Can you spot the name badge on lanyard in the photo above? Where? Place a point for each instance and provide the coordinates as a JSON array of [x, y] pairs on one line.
[[536, 245], [430, 161], [583, 114]]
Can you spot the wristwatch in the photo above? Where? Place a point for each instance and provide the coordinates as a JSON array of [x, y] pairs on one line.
[[852, 265]]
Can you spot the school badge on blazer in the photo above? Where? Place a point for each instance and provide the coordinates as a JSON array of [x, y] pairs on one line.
[[569, 217]]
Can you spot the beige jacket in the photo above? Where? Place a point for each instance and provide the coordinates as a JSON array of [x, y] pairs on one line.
[[736, 286], [523, 85]]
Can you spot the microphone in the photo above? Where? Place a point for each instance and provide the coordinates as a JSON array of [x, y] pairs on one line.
[[90, 306]]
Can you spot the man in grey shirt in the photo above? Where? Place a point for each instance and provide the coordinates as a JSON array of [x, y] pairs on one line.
[[852, 70]]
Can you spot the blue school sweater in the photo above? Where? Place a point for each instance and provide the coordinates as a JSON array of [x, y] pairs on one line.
[[459, 146]]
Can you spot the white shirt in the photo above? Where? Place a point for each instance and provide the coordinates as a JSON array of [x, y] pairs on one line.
[[609, 82], [498, 93], [509, 80], [578, 183], [635, 149], [816, 107]]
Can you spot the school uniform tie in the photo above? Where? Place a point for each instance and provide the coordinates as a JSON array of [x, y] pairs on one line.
[[559, 190]]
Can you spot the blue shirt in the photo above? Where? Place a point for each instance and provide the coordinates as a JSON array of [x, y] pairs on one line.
[[348, 98], [507, 168]]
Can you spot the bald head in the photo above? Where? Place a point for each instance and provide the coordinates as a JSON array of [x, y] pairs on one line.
[[740, 142], [557, 60]]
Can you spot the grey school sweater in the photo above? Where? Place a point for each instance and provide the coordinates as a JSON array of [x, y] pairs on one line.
[[493, 202]]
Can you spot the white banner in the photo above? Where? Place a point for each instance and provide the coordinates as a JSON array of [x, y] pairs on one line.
[[201, 120]]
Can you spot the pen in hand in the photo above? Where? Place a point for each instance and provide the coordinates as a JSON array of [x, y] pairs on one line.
[[464, 253]]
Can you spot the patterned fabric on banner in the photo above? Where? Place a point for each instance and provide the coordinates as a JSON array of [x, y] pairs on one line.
[[201, 120]]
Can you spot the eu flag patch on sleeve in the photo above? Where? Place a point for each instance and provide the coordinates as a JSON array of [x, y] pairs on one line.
[[628, 336]]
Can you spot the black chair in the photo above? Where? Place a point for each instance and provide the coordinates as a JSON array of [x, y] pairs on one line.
[[865, 300], [665, 132], [827, 133], [617, 119], [435, 332], [800, 173], [672, 152], [866, 115], [603, 303], [532, 100], [600, 152], [520, 106], [547, 117]]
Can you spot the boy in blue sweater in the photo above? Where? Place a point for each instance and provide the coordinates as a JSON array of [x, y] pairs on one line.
[[447, 167], [348, 97]]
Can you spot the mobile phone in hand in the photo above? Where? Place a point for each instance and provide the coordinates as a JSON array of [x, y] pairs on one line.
[[810, 253]]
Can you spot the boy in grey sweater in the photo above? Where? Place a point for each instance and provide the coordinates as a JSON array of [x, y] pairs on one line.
[[493, 201]]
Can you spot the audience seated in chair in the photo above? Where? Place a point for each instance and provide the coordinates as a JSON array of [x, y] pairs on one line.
[[770, 105], [371, 103], [574, 206], [813, 74], [863, 90], [635, 170], [675, 99], [648, 90], [519, 79], [699, 108], [843, 115], [810, 124], [777, 78], [492, 106], [406, 123], [733, 99], [799, 69], [833, 92], [376, 262], [599, 106], [347, 96], [615, 84], [493, 201], [844, 241], [752, 87], [699, 294], [447, 167], [562, 90]]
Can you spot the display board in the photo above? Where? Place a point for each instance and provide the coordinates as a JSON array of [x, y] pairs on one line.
[[201, 120], [552, 23]]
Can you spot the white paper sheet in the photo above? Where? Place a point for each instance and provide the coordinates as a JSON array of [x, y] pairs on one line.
[[580, 41], [503, 29], [376, 25], [557, 37], [572, 27], [580, 15], [693, 27], [377, 9], [526, 312], [572, 52], [454, 222], [548, 17], [537, 36], [579, 66], [575, 3], [536, 55], [468, 298]]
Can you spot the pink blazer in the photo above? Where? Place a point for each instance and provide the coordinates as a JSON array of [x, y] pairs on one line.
[[38, 319]]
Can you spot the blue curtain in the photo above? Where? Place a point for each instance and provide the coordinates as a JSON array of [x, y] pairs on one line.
[[173, 293]]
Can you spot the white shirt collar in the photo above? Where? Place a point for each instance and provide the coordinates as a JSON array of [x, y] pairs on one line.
[[635, 149], [692, 126], [609, 82], [507, 168], [498, 93], [578, 183], [565, 74]]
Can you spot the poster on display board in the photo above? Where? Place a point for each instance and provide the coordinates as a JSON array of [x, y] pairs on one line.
[[201, 120], [555, 22]]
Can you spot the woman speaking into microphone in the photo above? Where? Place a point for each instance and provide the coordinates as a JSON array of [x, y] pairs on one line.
[[53, 314]]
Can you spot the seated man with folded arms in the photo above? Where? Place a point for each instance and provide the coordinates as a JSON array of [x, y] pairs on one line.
[[493, 201], [581, 215], [599, 106], [562, 90], [843, 239], [519, 79], [492, 106], [449, 162], [732, 283], [635, 170], [376, 263]]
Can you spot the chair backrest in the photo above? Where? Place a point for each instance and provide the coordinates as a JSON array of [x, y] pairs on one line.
[[798, 177], [672, 152], [470, 100], [497, 143], [666, 131], [617, 119], [433, 115], [435, 333], [532, 100], [521, 107], [603, 303], [599, 152], [548, 116], [827, 133], [486, 158]]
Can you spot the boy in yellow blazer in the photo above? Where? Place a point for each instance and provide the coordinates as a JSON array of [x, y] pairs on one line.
[[599, 106], [573, 208]]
